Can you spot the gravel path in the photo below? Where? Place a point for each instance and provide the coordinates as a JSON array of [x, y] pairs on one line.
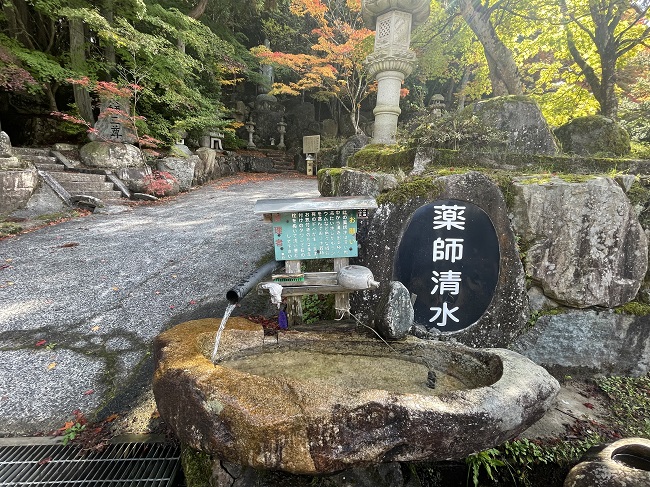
[[81, 301]]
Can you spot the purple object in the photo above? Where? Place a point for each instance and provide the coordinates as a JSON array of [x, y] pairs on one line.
[[283, 324]]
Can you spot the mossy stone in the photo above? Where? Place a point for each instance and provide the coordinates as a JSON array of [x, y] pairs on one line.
[[592, 135], [197, 467]]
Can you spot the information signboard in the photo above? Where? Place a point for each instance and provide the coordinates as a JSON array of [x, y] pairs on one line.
[[311, 144], [319, 234]]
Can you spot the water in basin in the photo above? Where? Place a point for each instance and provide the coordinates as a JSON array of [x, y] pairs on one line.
[[346, 370]]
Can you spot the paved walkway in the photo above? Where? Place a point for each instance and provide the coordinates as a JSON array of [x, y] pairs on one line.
[[81, 301]]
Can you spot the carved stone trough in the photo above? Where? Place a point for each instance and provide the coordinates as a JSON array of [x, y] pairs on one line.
[[329, 398]]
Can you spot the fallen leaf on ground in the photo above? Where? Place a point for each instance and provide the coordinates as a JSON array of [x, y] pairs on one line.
[[155, 414], [171, 306], [89, 392], [51, 366], [45, 461], [192, 301], [115, 288], [111, 418], [68, 245], [589, 405], [40, 343], [95, 328]]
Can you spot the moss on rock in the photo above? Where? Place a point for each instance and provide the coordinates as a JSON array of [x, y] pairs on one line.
[[410, 189], [380, 157], [593, 135], [197, 467]]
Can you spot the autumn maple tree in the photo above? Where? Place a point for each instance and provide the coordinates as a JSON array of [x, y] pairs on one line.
[[332, 70]]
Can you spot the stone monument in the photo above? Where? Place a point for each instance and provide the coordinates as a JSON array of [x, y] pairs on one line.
[[392, 60], [7, 158]]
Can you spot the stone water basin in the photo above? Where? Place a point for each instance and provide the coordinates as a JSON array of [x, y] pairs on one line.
[[328, 398]]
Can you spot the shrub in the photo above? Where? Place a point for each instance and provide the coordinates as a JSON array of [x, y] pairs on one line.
[[159, 183]]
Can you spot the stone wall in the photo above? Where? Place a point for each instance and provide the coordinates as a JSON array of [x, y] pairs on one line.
[[16, 187]]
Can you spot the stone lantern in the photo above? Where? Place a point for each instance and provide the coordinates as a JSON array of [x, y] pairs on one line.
[[392, 60], [250, 127], [282, 128]]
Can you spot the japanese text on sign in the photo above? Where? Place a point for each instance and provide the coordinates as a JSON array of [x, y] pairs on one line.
[[448, 281], [315, 234]]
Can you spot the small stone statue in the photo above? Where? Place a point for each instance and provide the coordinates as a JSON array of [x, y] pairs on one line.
[[5, 145], [431, 379]]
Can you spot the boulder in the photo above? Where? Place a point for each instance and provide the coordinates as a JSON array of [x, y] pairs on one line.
[[394, 316], [583, 242], [379, 238], [593, 134], [351, 146], [206, 167], [348, 182], [135, 178], [329, 128], [181, 168], [521, 119], [348, 400], [589, 342], [111, 155]]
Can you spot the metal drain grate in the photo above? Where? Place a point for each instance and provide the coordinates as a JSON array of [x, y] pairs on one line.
[[149, 464]]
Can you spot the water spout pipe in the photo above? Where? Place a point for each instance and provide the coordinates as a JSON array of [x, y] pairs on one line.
[[237, 292]]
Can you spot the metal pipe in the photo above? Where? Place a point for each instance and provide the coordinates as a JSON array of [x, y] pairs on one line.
[[240, 290]]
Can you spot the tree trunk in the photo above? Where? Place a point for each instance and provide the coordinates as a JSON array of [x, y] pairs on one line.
[[461, 89], [603, 87], [78, 64], [109, 49], [504, 75]]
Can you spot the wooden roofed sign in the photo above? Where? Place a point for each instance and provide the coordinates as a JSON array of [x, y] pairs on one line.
[[315, 228]]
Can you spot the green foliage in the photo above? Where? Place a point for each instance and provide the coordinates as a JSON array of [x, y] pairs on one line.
[[516, 460], [629, 403], [9, 228], [72, 432], [316, 307], [536, 315], [640, 150], [486, 460]]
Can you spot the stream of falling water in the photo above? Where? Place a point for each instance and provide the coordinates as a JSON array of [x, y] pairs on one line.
[[224, 320]]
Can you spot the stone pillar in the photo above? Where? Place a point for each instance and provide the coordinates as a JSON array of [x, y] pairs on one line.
[[391, 60]]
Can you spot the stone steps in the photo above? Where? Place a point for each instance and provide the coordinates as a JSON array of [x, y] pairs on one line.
[[49, 166], [105, 196], [30, 151], [282, 162], [82, 187], [74, 182]]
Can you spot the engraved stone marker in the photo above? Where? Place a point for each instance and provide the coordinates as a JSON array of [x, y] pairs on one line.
[[449, 257]]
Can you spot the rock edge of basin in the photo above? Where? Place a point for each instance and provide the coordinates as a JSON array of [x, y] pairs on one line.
[[305, 427]]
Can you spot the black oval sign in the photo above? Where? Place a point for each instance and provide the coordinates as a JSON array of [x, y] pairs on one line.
[[449, 257]]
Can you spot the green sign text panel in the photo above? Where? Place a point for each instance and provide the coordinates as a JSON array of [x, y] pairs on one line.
[[315, 234]]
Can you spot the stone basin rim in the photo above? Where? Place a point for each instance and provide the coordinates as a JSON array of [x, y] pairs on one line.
[[234, 416]]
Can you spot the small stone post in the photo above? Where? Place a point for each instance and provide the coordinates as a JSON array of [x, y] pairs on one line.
[[391, 60]]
